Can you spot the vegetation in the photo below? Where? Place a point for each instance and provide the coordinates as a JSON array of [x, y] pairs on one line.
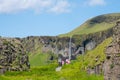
[[96, 24], [96, 56], [38, 59], [49, 73], [41, 59], [74, 71]]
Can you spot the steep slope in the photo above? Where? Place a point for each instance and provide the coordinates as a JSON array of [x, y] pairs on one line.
[[112, 62], [96, 24]]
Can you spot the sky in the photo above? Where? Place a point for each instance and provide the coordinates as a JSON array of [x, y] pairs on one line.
[[22, 18]]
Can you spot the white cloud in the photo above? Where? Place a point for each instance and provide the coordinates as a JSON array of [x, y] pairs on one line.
[[12, 6], [60, 7], [95, 2]]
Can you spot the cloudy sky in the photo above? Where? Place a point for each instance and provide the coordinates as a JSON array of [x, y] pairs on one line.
[[21, 18]]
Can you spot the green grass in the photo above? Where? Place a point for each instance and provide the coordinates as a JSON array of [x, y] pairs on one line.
[[87, 27], [35, 73], [97, 54], [39, 59], [74, 71], [49, 73]]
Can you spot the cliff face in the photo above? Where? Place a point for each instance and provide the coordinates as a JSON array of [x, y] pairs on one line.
[[112, 63], [47, 44], [12, 56], [60, 45], [89, 41]]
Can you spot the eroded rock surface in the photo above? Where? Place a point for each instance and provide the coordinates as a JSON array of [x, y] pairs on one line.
[[12, 56], [112, 63]]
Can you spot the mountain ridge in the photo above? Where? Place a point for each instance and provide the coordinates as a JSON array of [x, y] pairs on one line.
[[94, 24]]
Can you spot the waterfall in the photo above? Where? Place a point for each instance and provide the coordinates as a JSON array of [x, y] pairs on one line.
[[70, 45], [56, 48]]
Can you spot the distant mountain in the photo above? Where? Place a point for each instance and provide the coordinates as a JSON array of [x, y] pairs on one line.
[[96, 24]]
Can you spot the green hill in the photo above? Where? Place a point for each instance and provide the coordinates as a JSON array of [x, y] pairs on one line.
[[96, 24]]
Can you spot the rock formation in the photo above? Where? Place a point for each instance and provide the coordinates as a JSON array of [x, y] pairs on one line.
[[12, 56], [80, 43], [112, 63]]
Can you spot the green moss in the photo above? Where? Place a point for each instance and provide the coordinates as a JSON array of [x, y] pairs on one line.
[[112, 66], [96, 56], [5, 42]]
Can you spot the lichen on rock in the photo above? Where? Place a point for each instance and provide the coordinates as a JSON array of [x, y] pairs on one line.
[[112, 63], [12, 56]]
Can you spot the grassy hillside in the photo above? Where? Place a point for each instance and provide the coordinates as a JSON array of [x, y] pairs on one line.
[[74, 71], [96, 24]]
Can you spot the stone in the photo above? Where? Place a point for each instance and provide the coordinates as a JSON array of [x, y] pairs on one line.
[[90, 45], [112, 62], [13, 57], [58, 69]]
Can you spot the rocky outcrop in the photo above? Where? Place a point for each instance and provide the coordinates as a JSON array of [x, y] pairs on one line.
[[112, 63], [12, 56], [60, 45], [47, 44], [90, 41]]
